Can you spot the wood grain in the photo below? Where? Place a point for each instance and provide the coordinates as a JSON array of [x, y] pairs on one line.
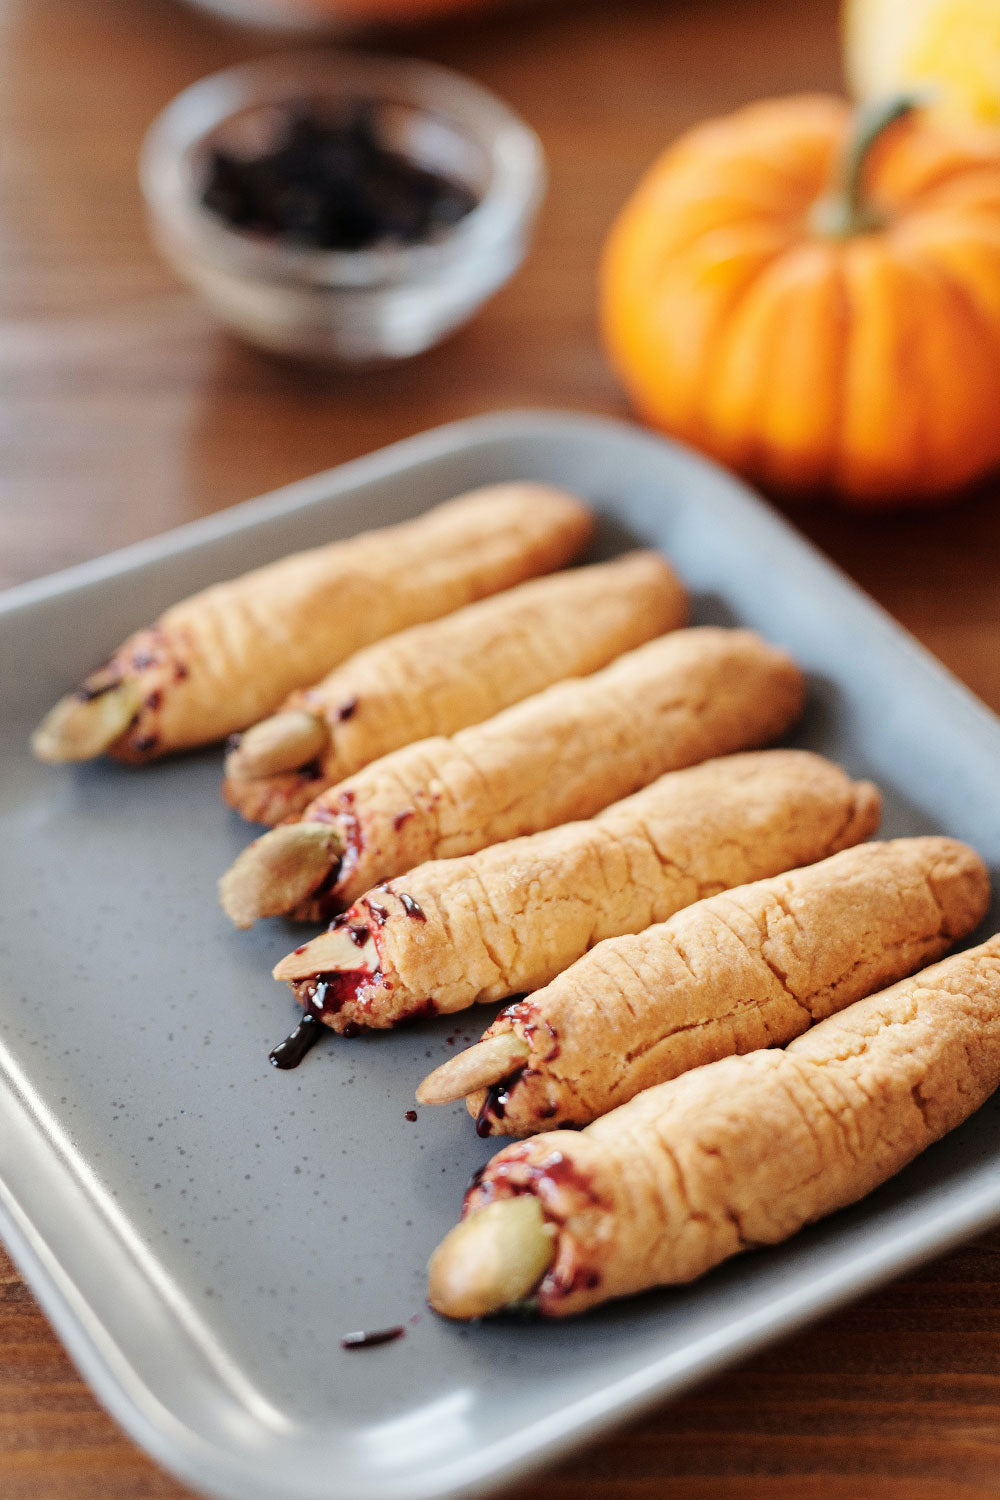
[[124, 411]]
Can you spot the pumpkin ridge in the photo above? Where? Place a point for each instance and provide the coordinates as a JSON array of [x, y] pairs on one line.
[[840, 330], [796, 439], [627, 347], [882, 336], [843, 323], [966, 311], [677, 249], [910, 196], [950, 195], [937, 251], [929, 473], [703, 375], [911, 380], [749, 444]]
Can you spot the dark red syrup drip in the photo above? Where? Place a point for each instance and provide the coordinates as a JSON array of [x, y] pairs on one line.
[[496, 1101], [329, 993], [290, 1052], [343, 815], [372, 1338], [328, 884], [350, 828], [584, 1279], [564, 1173], [325, 995], [412, 907]]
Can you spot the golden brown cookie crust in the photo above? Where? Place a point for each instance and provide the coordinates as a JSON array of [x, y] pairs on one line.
[[746, 1151], [562, 755], [227, 656], [439, 677], [749, 968], [511, 917]]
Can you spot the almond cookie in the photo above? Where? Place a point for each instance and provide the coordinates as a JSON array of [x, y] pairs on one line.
[[735, 1155], [564, 754], [225, 657], [749, 968], [442, 676], [510, 918]]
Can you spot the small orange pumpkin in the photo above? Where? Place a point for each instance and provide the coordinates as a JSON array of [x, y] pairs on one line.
[[818, 304]]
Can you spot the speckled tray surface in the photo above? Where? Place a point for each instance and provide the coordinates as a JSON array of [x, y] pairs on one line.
[[202, 1229]]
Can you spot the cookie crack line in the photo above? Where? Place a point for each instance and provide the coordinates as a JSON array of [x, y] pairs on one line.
[[759, 955]]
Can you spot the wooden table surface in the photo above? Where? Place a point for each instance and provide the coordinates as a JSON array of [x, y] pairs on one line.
[[124, 411]]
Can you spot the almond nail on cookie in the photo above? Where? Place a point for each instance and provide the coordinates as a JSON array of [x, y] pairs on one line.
[[439, 677], [739, 1154], [221, 660], [511, 917], [563, 754], [751, 967]]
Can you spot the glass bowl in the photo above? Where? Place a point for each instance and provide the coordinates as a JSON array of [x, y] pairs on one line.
[[346, 306], [273, 15]]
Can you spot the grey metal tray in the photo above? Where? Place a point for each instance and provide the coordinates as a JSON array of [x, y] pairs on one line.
[[202, 1229]]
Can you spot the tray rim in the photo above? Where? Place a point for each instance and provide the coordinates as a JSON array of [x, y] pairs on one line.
[[79, 1325]]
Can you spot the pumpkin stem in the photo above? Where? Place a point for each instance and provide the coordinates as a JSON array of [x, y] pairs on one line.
[[843, 212]]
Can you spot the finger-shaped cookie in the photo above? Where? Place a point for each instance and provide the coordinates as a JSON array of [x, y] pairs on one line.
[[751, 967], [220, 660], [738, 1154], [511, 917], [563, 754], [436, 678]]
